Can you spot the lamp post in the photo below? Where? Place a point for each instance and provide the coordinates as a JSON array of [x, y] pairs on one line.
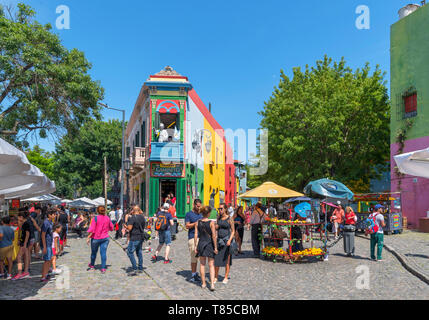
[[127, 164], [196, 145], [123, 152]]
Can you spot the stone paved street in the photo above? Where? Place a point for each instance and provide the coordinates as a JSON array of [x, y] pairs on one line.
[[250, 278]]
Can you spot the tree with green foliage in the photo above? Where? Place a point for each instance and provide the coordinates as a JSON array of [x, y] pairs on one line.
[[43, 160], [327, 122], [44, 87], [79, 159]]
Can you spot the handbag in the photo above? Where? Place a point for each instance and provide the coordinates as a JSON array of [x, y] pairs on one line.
[[234, 247]]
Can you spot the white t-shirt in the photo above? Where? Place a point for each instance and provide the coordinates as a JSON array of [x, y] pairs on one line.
[[231, 211], [54, 236], [112, 215]]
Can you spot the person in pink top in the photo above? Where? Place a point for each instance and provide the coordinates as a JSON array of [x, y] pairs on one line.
[[98, 235]]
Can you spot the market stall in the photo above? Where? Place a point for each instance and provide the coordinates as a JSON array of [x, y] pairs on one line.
[[278, 242], [392, 214]]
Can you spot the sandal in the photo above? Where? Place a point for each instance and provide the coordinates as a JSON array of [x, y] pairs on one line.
[[225, 281]]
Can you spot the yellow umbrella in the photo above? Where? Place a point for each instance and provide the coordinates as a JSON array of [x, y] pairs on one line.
[[270, 190]]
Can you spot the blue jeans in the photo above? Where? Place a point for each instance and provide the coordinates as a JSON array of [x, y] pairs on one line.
[[135, 246], [95, 244]]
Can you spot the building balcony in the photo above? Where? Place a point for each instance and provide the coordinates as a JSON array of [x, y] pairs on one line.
[[139, 159], [166, 152]]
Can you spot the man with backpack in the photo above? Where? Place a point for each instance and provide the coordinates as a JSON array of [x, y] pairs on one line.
[[136, 225], [163, 223], [375, 226]]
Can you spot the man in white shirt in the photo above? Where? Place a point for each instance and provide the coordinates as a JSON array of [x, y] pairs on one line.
[[117, 217]]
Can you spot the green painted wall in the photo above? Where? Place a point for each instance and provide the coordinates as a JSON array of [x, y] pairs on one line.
[[410, 68], [190, 179]]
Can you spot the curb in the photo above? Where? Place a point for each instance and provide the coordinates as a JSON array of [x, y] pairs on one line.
[[406, 263]]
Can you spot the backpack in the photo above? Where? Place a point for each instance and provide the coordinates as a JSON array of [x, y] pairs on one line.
[[370, 225], [161, 222]]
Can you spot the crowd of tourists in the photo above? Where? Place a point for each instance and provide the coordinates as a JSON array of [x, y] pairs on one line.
[[41, 233], [211, 242]]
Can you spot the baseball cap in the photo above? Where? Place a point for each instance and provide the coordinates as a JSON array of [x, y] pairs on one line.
[[166, 206], [378, 206]]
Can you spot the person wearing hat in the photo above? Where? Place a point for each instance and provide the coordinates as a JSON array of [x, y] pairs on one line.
[[377, 238]]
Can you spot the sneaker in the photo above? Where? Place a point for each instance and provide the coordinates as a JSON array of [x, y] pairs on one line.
[[2, 275], [103, 271], [167, 261], [380, 260], [154, 258], [91, 267], [25, 275], [17, 277], [57, 271], [44, 280], [9, 277]]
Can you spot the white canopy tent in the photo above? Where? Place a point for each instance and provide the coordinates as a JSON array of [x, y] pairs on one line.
[[42, 198], [82, 203], [100, 201], [414, 163]]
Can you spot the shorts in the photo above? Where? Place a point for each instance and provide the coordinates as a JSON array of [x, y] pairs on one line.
[[192, 247], [165, 237], [6, 252], [37, 236], [54, 252], [48, 255], [29, 243]]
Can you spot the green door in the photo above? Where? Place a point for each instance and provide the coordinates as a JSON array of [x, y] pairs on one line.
[[153, 196]]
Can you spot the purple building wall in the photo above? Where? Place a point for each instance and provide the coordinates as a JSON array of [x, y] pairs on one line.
[[414, 190]]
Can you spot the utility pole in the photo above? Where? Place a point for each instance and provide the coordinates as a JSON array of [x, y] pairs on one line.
[[105, 184]]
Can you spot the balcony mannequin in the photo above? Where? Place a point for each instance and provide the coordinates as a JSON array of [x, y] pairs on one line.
[[162, 133]]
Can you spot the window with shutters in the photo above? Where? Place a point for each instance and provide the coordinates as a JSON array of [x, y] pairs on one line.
[[407, 104]]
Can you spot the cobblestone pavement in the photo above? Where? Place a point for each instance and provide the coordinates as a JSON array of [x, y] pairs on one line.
[[414, 246], [250, 278]]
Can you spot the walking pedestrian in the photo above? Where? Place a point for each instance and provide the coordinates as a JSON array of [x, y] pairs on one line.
[[46, 243], [163, 224], [377, 238], [239, 220], [337, 219], [25, 243], [205, 236], [191, 220], [225, 235], [98, 235], [256, 220], [136, 226], [7, 236]]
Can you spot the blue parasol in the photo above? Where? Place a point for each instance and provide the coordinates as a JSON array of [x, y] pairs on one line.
[[328, 189], [302, 209]]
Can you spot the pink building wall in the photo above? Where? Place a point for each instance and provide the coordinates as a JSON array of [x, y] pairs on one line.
[[415, 194]]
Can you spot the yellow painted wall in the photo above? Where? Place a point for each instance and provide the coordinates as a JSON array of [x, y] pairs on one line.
[[216, 179]]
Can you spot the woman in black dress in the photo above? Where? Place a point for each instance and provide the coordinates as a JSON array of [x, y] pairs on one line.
[[207, 245], [226, 232]]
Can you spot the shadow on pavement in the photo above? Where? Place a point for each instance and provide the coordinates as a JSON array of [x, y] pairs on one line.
[[417, 255], [352, 257]]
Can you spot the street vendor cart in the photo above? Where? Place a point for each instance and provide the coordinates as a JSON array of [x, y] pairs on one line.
[[392, 214]]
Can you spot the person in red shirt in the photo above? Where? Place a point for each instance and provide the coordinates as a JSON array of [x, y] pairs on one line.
[[337, 219], [350, 217]]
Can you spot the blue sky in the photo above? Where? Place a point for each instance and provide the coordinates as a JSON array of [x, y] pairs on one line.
[[232, 51]]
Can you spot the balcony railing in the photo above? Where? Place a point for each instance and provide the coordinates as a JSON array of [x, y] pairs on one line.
[[139, 157]]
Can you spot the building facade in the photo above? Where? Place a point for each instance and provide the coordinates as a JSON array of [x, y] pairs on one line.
[[176, 146], [410, 105]]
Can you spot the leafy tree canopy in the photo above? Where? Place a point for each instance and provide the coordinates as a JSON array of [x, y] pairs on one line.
[[43, 160], [79, 159], [327, 122], [44, 87]]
